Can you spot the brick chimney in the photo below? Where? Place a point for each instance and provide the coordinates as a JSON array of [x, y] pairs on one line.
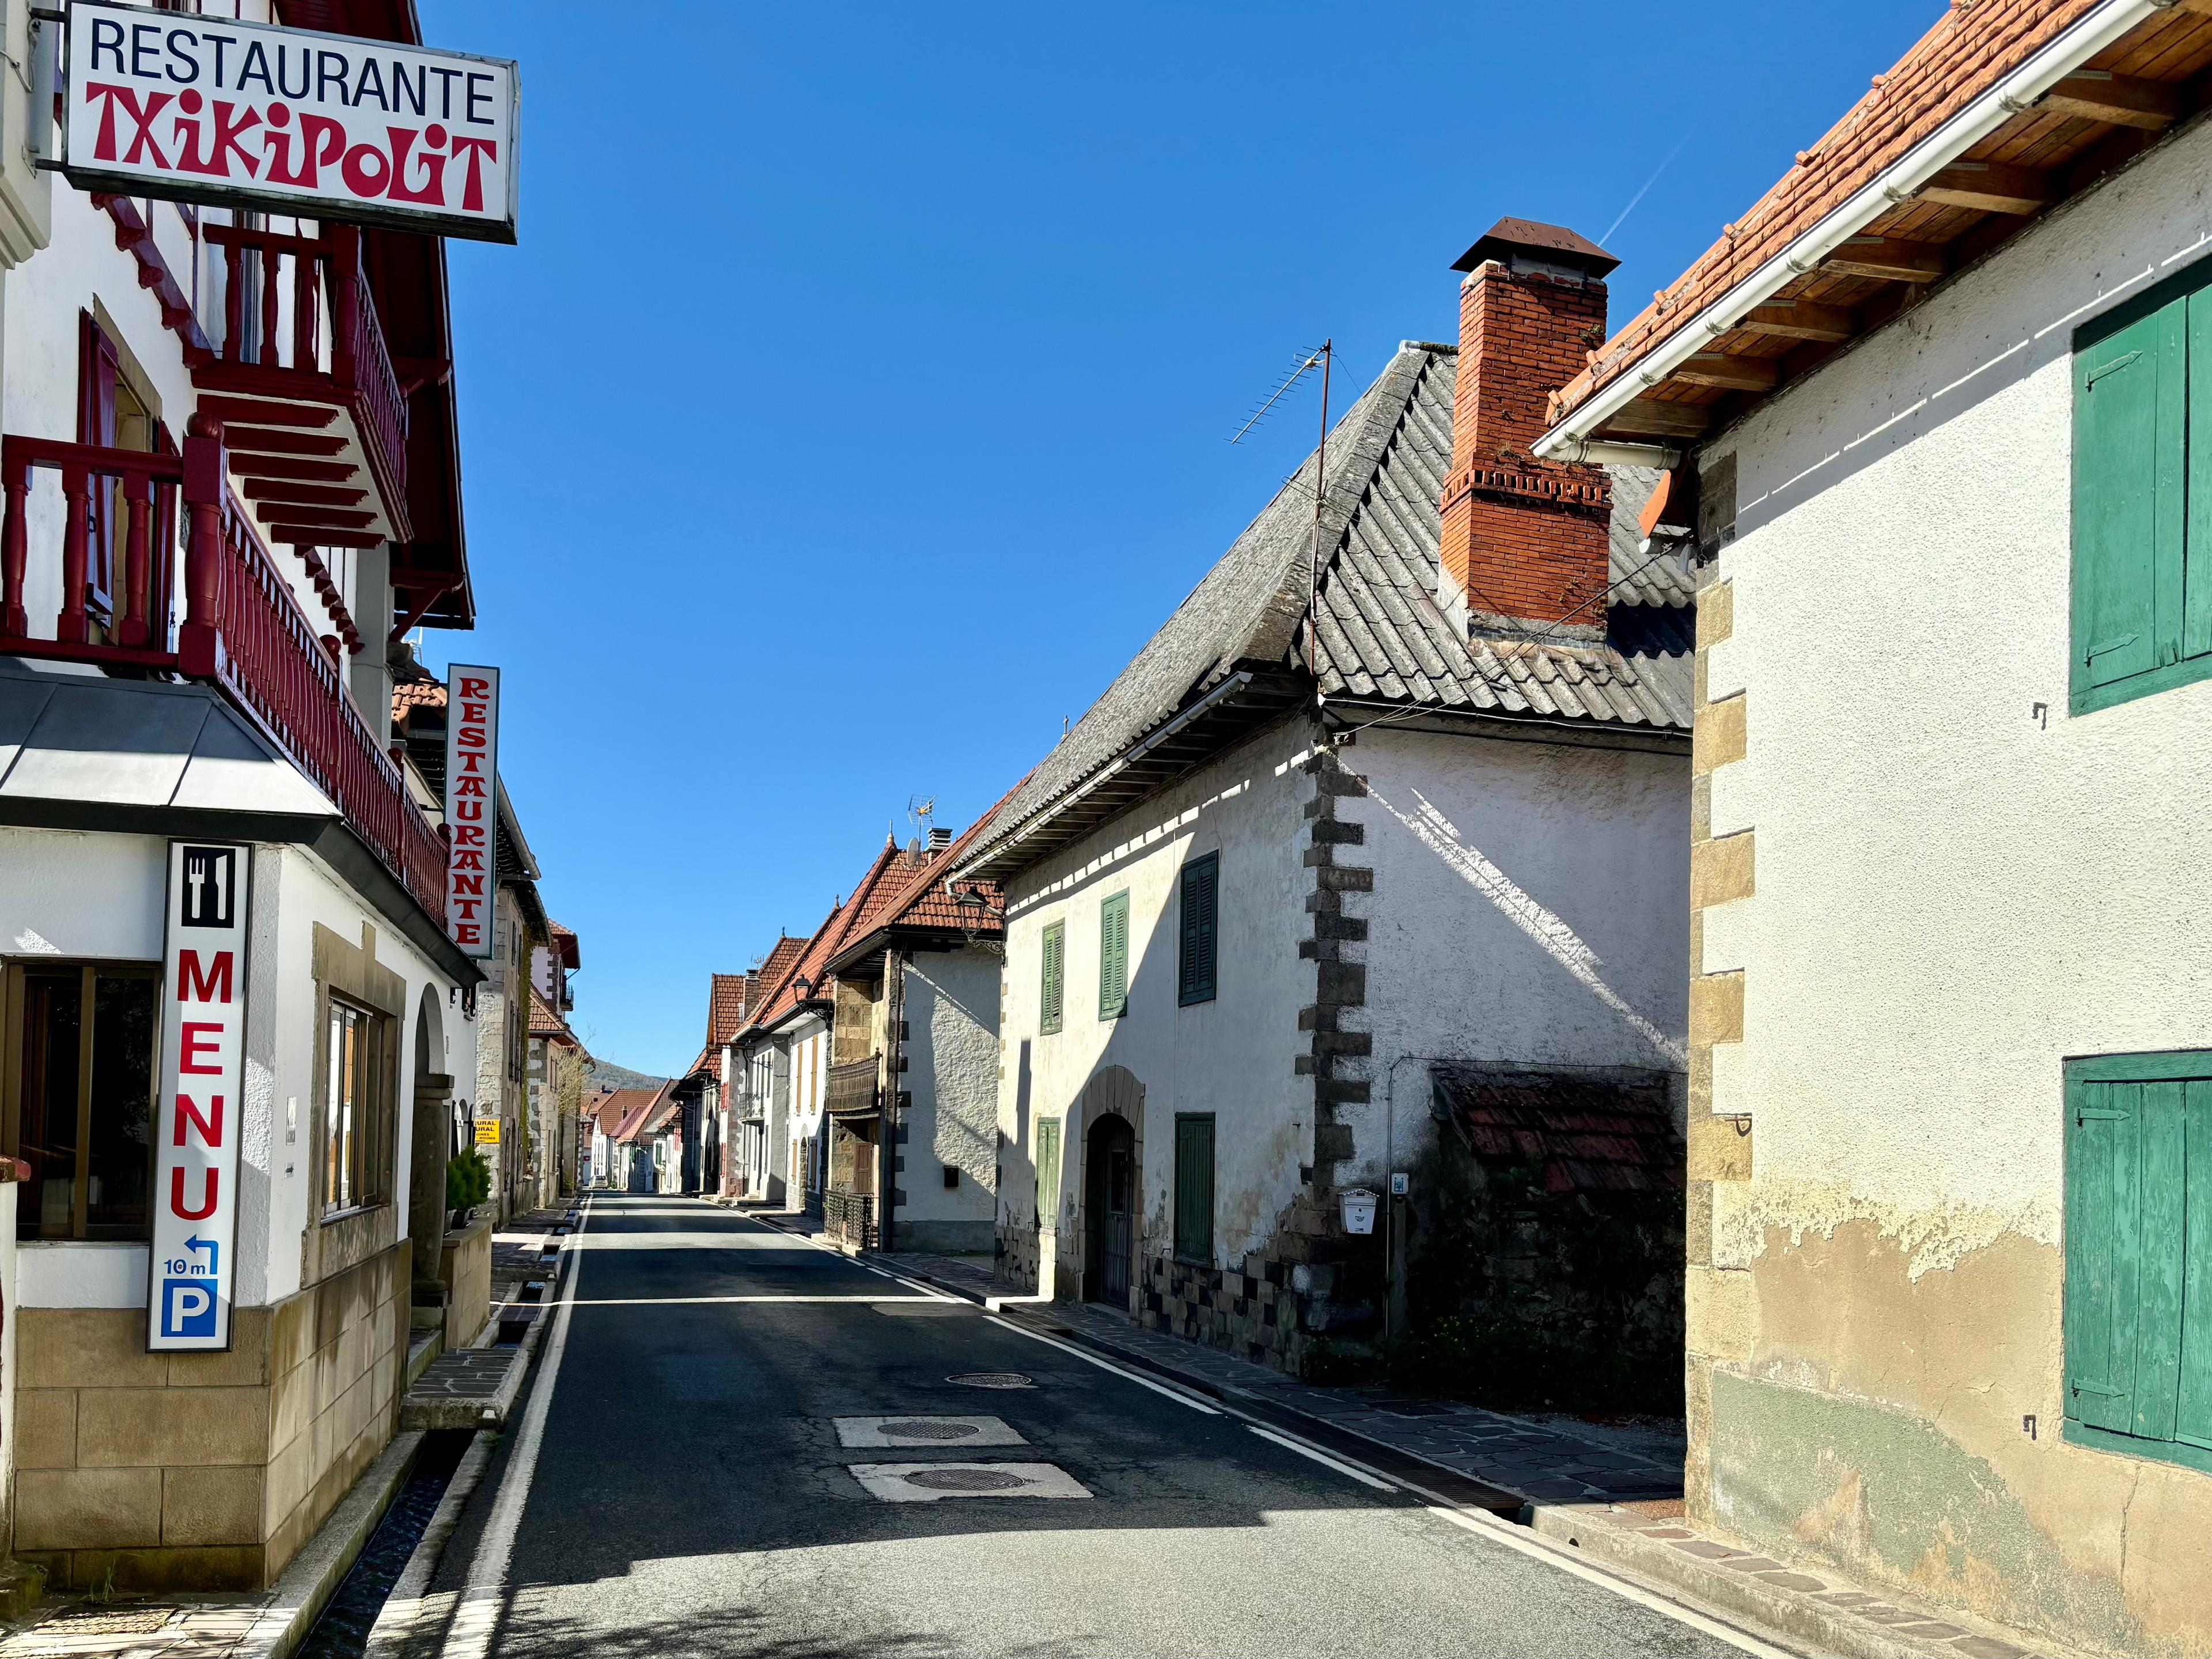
[[1524, 540]]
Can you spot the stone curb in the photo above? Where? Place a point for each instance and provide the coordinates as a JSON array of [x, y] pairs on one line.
[[305, 1586], [1781, 1610], [1750, 1595]]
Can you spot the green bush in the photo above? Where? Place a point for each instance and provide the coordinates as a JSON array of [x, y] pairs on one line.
[[468, 1181]]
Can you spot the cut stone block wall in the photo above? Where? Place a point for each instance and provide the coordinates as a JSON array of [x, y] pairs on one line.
[[161, 1472]]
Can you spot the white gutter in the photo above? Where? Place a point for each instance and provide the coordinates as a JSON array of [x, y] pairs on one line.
[[1905, 178]]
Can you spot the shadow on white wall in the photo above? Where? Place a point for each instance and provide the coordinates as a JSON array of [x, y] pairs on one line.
[[1558, 941]]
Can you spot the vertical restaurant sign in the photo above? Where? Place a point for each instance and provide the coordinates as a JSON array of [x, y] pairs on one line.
[[212, 109], [471, 804], [196, 1127]]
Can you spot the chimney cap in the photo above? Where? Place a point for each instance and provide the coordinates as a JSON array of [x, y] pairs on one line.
[[1551, 244]]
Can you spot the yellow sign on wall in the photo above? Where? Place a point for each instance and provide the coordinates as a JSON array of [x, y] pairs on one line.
[[487, 1132]]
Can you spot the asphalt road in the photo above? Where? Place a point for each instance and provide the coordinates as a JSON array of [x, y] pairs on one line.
[[684, 1490]]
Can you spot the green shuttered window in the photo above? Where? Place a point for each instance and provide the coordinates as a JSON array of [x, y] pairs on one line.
[[1200, 889], [2143, 496], [2139, 1254], [1114, 957], [1052, 998], [1048, 1171], [1194, 1186]]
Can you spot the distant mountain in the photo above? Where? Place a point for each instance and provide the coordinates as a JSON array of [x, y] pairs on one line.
[[604, 1075]]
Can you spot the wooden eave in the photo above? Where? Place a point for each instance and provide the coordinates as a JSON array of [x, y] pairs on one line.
[[1145, 768], [2154, 80]]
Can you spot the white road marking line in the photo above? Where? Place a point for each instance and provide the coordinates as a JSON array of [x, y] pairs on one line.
[[1517, 1538], [1180, 1398], [470, 1635], [680, 1301], [1480, 1522], [1321, 1458]]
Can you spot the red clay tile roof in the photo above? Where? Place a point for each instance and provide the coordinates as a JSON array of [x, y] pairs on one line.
[[545, 1021], [1589, 1135], [622, 1111], [923, 902], [564, 943], [726, 1007], [1970, 49], [878, 890], [417, 694]]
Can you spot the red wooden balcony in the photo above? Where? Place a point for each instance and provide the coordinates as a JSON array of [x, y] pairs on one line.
[[302, 376], [132, 513]]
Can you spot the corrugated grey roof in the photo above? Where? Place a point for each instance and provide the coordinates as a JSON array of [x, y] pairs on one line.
[[1384, 636]]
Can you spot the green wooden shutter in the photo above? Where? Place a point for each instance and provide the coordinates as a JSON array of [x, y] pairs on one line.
[[2193, 1410], [2196, 564], [1048, 1171], [2159, 1232], [1201, 892], [2103, 1204], [1052, 997], [2130, 438], [1194, 1168], [1114, 956]]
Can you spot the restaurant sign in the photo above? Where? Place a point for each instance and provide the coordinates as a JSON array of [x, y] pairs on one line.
[[201, 1101], [210, 109], [472, 805]]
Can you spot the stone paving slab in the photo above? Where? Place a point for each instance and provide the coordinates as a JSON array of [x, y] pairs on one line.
[[468, 1389]]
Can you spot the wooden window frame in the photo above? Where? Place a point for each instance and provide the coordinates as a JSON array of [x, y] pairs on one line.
[[2181, 526], [378, 1136], [1196, 1251], [1052, 978], [93, 970], [1200, 874], [1113, 1007], [2169, 1285]]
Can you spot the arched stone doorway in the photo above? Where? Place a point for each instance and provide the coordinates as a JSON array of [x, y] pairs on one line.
[[1109, 1186], [1110, 1160]]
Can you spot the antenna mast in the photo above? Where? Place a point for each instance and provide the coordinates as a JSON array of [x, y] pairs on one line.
[[1327, 355]]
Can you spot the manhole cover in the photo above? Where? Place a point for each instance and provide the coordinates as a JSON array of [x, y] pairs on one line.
[[964, 1481], [993, 1380], [931, 1430], [107, 1621]]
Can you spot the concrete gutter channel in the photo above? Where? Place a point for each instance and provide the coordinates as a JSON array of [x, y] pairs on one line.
[[1770, 1599]]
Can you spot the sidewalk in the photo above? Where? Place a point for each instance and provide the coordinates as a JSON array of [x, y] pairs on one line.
[[270, 1625], [1611, 1494]]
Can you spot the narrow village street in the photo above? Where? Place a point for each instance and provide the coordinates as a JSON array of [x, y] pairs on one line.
[[687, 1490]]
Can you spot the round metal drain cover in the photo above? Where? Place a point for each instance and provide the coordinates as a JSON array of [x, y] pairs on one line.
[[924, 1430], [957, 1479], [992, 1380]]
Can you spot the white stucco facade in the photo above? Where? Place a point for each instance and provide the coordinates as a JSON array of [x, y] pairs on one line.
[[950, 1119], [1955, 884], [1526, 909]]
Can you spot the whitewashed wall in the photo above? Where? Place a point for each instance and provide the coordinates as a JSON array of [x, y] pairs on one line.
[[1231, 1057], [1530, 909], [1954, 889], [951, 1009]]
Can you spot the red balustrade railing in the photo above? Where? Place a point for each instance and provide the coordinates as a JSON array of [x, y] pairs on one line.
[[242, 627], [258, 266], [121, 512]]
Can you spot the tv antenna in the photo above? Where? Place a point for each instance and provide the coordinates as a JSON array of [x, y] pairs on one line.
[[1317, 358]]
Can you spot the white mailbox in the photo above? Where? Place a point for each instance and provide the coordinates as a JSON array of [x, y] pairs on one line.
[[1359, 1209]]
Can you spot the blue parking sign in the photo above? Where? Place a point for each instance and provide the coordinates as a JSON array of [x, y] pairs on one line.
[[187, 1307]]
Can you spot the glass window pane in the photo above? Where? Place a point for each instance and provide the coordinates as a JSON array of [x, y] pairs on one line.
[[334, 1113], [120, 1154], [53, 1012]]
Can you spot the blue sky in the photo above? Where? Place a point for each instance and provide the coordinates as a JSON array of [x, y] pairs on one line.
[[856, 402]]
